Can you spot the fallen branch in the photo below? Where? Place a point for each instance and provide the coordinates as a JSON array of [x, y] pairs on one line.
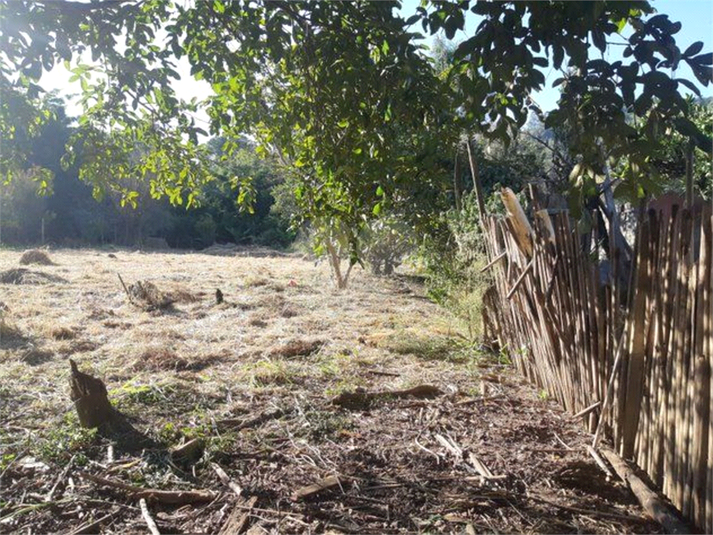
[[493, 262], [521, 278], [155, 495], [481, 468], [325, 484], [190, 451], [128, 294], [451, 446], [60, 479], [147, 517], [585, 412], [588, 512], [654, 505]]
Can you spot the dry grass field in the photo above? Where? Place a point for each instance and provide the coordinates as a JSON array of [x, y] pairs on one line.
[[253, 381]]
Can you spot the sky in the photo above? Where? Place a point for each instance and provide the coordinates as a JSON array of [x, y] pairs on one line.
[[696, 17]]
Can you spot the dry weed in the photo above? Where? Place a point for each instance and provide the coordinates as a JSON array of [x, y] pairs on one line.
[[63, 333], [158, 359], [255, 282], [10, 332], [257, 321]]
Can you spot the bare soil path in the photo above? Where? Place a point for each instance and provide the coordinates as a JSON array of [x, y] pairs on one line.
[[252, 380]]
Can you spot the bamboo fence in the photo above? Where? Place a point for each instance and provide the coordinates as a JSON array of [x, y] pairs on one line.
[[637, 353]]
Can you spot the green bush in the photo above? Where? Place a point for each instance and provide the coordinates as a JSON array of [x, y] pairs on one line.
[[453, 259]]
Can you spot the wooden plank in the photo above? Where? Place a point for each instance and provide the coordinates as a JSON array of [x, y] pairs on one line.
[[239, 517], [706, 480], [658, 378], [671, 365], [327, 483], [688, 393]]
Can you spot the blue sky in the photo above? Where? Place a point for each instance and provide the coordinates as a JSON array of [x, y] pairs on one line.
[[695, 16]]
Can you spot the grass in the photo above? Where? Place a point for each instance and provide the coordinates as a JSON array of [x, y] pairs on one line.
[[173, 375]]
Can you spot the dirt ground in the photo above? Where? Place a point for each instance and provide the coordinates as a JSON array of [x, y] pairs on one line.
[[253, 382]]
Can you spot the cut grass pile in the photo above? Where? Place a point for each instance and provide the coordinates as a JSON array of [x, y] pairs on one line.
[[36, 256]]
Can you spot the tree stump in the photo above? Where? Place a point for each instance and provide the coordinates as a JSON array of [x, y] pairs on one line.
[[90, 398]]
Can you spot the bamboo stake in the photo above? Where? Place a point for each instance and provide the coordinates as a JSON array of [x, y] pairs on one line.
[[493, 262], [609, 391]]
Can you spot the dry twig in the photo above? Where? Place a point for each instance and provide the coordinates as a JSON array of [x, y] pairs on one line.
[[147, 517], [226, 480]]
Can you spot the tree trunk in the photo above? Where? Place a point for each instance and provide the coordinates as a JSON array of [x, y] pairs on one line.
[[335, 262], [457, 184], [689, 174], [620, 246], [476, 182]]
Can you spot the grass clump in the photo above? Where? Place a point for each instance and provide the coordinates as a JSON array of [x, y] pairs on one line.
[[35, 256], [453, 264], [142, 394]]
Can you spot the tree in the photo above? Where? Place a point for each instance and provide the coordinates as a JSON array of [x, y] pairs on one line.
[[327, 86]]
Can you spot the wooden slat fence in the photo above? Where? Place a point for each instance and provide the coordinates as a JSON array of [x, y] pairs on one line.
[[641, 351]]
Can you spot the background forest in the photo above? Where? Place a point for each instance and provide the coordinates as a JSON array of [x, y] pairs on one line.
[[68, 214]]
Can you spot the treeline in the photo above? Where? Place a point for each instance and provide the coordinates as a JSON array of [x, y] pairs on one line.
[[68, 214]]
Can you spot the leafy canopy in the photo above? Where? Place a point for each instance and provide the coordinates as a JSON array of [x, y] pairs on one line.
[[342, 91]]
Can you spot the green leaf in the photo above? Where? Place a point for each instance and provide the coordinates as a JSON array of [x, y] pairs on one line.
[[694, 49], [704, 59]]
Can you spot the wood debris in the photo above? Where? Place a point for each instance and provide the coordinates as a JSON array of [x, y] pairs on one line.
[[90, 398], [325, 484], [239, 517], [155, 495]]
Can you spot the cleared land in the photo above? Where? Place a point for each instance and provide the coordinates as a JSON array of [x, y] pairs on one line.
[[254, 379]]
